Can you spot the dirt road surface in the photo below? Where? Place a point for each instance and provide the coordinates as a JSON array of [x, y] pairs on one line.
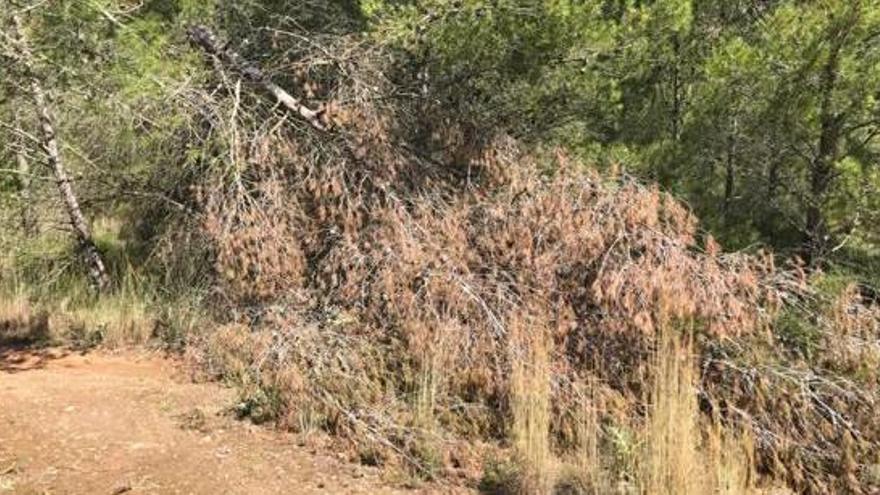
[[129, 423]]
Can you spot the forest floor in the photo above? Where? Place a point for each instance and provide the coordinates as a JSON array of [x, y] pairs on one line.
[[132, 422]]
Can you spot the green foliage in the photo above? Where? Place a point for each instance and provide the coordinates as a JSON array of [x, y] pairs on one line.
[[261, 405], [721, 102], [798, 333]]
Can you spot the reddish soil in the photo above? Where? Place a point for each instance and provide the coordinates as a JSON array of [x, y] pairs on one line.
[[128, 423]]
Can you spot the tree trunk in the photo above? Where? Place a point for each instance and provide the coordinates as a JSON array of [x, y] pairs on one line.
[[85, 243], [822, 166], [730, 169], [773, 180], [676, 91]]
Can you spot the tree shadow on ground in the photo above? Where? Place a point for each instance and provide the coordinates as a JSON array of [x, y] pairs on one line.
[[19, 358], [24, 343], [24, 329]]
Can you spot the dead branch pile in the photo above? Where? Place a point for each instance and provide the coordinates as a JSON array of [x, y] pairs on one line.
[[376, 273]]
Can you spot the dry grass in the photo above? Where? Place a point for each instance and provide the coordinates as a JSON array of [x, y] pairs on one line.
[[672, 462], [112, 322], [19, 323], [41, 281], [680, 453], [15, 310], [587, 471], [683, 454], [63, 309], [730, 455], [530, 397]]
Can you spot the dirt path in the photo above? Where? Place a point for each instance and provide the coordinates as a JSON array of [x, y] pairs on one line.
[[113, 424]]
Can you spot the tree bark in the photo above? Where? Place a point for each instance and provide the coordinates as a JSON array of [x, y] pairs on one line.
[[773, 180], [81, 230], [204, 38], [821, 170], [730, 168], [676, 90]]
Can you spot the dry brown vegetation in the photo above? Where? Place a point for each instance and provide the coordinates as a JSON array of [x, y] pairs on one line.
[[430, 307]]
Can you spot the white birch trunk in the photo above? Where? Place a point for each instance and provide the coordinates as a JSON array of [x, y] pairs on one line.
[[81, 230]]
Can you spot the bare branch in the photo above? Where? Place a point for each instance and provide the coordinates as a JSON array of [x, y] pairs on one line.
[[202, 37]]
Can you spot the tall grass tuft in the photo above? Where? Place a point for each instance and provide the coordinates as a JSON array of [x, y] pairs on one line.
[[588, 460], [681, 456], [530, 406], [731, 453], [671, 463]]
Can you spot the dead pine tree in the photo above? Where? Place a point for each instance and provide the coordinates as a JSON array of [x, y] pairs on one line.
[[49, 141]]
